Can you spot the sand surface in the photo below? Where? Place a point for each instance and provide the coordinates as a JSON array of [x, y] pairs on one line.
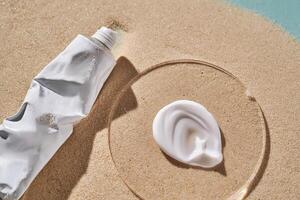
[[265, 58]]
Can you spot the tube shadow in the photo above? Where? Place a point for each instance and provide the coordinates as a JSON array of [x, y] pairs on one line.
[[220, 168], [65, 169]]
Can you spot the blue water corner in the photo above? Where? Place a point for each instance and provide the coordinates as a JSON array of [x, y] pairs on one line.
[[284, 13]]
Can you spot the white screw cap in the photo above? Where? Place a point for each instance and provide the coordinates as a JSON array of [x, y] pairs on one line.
[[107, 36]]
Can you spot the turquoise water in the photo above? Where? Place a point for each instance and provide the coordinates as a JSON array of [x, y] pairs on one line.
[[286, 13]]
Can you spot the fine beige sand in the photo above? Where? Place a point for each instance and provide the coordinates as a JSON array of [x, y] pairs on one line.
[[264, 57]]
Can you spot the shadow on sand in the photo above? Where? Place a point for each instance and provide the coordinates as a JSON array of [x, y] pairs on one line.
[[65, 169]]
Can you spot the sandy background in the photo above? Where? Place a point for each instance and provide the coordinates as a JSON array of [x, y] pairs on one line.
[[260, 54]]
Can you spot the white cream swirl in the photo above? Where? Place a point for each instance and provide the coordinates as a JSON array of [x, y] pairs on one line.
[[187, 132]]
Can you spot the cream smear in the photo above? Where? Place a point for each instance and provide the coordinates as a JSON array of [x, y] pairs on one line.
[[59, 96], [188, 132]]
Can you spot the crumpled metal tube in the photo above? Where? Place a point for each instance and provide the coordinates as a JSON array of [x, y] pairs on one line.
[[59, 96]]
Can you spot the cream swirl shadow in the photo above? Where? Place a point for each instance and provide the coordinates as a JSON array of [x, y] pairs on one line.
[[188, 132]]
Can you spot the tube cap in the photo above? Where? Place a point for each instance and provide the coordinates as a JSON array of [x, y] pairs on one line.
[[107, 36]]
